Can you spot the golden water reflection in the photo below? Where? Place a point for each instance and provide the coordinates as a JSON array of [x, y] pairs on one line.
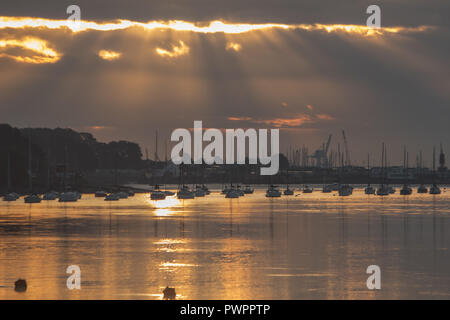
[[310, 246]]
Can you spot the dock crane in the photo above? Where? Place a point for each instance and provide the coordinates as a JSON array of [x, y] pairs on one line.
[[320, 155]]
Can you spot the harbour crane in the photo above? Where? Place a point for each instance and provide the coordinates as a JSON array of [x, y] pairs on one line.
[[320, 155]]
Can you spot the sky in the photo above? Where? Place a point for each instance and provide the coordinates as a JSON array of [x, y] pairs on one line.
[[309, 68]]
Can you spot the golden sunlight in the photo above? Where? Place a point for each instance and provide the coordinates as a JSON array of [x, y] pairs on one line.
[[166, 203], [109, 55], [176, 51], [177, 25], [35, 51], [233, 46]]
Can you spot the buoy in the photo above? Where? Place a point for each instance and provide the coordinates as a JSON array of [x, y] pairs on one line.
[[20, 285], [169, 293]]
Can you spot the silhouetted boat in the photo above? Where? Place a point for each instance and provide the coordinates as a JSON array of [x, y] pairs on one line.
[[157, 194], [333, 186], [288, 192], [383, 190], [185, 193], [50, 196], [273, 192], [100, 194], [345, 190], [307, 189], [239, 191], [11, 197], [112, 197], [435, 189], [205, 189], [69, 197], [225, 189], [122, 195], [422, 189], [405, 190], [369, 190], [199, 192], [232, 194], [33, 199], [248, 189]]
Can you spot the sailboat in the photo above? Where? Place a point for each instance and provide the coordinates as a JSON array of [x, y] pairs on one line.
[[383, 190], [49, 196], [344, 190], [185, 193], [112, 197], [406, 189], [69, 197], [369, 189], [168, 192], [205, 189], [434, 189], [11, 197], [232, 193], [199, 192], [248, 189], [288, 192], [273, 192], [33, 199], [422, 188], [100, 194], [225, 189], [157, 194], [239, 191]]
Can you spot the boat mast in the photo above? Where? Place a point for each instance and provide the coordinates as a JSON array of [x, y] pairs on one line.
[[9, 171], [30, 175], [407, 167], [404, 163], [434, 163], [382, 164]]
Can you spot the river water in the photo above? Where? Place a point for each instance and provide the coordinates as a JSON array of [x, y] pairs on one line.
[[306, 246]]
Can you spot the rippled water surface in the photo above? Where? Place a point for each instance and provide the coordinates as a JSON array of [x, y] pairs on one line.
[[309, 246]]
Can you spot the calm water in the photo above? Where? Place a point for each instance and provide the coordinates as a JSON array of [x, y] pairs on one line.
[[311, 246]]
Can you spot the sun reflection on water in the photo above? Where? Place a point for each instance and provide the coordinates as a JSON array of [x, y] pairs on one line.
[[165, 207]]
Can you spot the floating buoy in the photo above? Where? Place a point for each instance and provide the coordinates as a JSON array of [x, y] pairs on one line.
[[20, 285], [169, 293]]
